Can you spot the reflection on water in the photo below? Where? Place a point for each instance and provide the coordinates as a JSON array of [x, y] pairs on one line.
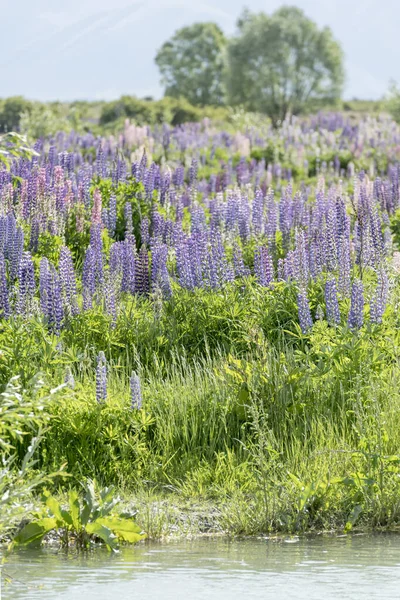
[[346, 568]]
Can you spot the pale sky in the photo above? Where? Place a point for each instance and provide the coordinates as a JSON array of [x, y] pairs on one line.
[[101, 49]]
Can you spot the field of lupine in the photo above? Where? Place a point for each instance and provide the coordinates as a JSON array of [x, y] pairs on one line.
[[213, 315]]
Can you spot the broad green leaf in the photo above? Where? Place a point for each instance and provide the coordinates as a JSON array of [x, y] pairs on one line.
[[75, 509], [62, 516], [126, 529], [86, 511], [103, 533], [355, 513], [34, 532]]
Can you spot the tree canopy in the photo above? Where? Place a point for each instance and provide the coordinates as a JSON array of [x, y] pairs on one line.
[[279, 63], [192, 64]]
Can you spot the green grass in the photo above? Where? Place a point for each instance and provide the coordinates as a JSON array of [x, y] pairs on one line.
[[244, 419]]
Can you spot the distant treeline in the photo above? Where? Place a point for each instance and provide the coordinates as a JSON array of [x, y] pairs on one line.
[[39, 119]]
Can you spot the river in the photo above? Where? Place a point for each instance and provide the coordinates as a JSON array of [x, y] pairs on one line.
[[353, 567]]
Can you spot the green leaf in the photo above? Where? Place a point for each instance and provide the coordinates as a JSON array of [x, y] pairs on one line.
[[34, 531], [75, 509], [355, 513], [126, 529], [63, 517], [103, 533]]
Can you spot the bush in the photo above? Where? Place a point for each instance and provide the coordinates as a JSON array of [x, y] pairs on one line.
[[148, 112], [11, 110]]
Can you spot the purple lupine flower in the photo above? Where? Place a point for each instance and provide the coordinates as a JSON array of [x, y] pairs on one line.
[[198, 220], [68, 281], [211, 271], [44, 277], [112, 215], [183, 266], [34, 236], [242, 172], [3, 233], [288, 266], [257, 212], [128, 265], [305, 318], [135, 170], [376, 235], [197, 250], [178, 177], [4, 296], [240, 268], [193, 171], [244, 218], [142, 166], [331, 301], [157, 224], [15, 251], [101, 162], [136, 392], [10, 231], [97, 207], [121, 170], [223, 270], [101, 378], [263, 266], [164, 188], [116, 258], [380, 297], [27, 285], [142, 272], [145, 231], [356, 314], [148, 181]]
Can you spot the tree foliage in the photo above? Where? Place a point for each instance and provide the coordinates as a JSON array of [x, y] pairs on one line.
[[279, 63], [10, 112], [192, 64], [393, 101]]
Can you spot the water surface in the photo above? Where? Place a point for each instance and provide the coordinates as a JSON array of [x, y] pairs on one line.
[[357, 567]]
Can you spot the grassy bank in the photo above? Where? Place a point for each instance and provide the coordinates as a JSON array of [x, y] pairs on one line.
[[273, 429]]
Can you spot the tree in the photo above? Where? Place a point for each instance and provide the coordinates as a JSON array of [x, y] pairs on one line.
[[10, 112], [392, 101], [192, 64], [280, 63]]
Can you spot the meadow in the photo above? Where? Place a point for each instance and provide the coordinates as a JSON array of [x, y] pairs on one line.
[[206, 317]]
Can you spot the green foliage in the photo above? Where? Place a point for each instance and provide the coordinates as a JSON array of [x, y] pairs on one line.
[[41, 120], [14, 145], [192, 64], [148, 112], [279, 63], [392, 102], [22, 417], [91, 517], [130, 191], [11, 110]]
